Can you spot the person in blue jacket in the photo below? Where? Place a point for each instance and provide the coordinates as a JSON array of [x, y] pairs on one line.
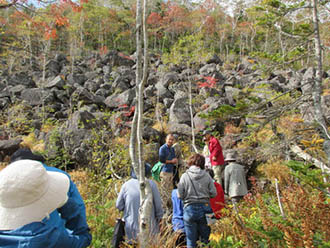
[[65, 226], [168, 158], [177, 219]]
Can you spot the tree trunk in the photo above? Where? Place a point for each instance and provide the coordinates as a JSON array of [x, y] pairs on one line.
[[192, 118], [136, 142], [317, 89]]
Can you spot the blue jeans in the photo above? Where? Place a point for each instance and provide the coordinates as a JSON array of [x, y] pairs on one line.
[[195, 224]]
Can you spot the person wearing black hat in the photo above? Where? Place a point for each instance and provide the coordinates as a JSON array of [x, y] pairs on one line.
[[216, 155]]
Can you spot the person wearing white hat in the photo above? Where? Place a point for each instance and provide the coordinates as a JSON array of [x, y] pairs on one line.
[[37, 209], [235, 178]]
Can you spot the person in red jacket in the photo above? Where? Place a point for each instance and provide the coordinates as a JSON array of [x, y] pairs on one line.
[[216, 156], [217, 203]]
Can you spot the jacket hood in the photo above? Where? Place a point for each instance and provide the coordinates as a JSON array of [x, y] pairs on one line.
[[196, 173]]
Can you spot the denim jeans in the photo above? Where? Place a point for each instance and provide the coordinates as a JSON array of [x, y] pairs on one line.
[[195, 224]]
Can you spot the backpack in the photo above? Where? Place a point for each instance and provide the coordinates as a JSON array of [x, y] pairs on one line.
[[156, 169]]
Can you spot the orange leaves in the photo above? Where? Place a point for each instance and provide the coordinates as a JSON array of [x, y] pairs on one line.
[[50, 34]]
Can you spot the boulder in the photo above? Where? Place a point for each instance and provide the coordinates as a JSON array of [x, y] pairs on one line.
[[57, 82], [125, 98], [37, 97], [8, 147], [179, 111]]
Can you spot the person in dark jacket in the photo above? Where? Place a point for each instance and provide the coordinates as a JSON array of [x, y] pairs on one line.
[[39, 208], [168, 158], [195, 188]]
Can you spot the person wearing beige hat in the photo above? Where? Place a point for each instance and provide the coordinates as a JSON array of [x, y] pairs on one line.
[[30, 197], [235, 178]]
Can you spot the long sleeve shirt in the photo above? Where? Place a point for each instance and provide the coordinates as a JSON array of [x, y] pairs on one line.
[[66, 227], [177, 217], [215, 151], [129, 201], [235, 180], [196, 186], [166, 153]]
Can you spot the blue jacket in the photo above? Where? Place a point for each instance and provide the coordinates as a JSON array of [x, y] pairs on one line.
[[177, 217], [166, 153], [66, 227]]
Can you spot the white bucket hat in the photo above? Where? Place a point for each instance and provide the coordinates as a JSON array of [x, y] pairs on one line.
[[29, 193]]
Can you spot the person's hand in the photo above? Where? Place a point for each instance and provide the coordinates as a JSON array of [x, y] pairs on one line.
[[214, 158], [174, 161]]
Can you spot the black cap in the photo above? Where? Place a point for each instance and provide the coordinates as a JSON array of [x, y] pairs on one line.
[[26, 153]]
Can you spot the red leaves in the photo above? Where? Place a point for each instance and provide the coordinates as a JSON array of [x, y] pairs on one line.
[[209, 83], [103, 50], [154, 19], [124, 56]]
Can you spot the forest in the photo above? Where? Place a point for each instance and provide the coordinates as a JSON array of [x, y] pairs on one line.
[[95, 86]]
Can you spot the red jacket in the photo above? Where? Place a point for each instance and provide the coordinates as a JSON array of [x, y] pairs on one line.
[[217, 203], [215, 151]]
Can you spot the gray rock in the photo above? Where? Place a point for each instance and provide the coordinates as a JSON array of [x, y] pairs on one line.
[[121, 84], [76, 78], [215, 60], [208, 69], [53, 68], [179, 111], [168, 102], [82, 94], [36, 96], [199, 122], [17, 90], [4, 102], [231, 94], [22, 78], [81, 120], [125, 98], [180, 129], [168, 78], [8, 147], [93, 85], [57, 82], [150, 91], [163, 92]]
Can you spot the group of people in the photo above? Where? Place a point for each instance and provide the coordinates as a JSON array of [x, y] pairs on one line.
[[192, 201], [40, 206]]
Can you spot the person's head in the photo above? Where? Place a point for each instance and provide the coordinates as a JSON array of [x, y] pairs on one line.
[[25, 153], [197, 160], [147, 171], [211, 172], [29, 193], [206, 135], [230, 156], [170, 139], [176, 138]]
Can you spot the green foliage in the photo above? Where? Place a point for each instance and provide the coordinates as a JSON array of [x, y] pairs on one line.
[[56, 154], [225, 111], [308, 175], [187, 51]]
